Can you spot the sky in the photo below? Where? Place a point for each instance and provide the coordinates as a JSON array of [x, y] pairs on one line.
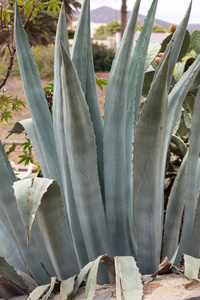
[[171, 11]]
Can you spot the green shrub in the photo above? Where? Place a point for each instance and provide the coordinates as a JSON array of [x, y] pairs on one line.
[[71, 33], [156, 28], [107, 30], [102, 57], [44, 57]]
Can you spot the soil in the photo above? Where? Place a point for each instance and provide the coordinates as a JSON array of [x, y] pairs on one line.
[[14, 87]]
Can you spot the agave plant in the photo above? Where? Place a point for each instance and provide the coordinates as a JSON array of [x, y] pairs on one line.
[[103, 180]]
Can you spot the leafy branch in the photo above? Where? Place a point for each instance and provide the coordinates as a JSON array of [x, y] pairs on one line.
[[30, 10]]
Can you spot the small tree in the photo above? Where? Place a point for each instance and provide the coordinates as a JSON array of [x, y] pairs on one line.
[[29, 11]]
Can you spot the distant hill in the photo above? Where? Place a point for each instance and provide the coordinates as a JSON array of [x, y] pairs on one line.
[[107, 14]]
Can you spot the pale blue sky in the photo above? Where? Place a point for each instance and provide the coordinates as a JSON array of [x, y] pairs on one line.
[[168, 10]]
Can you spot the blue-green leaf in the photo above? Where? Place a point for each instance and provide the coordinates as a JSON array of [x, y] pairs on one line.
[[36, 100], [134, 91], [12, 283], [82, 157], [59, 130], [42, 196], [114, 141], [175, 45], [130, 278], [191, 182], [35, 258], [9, 168], [83, 61], [148, 156], [174, 211]]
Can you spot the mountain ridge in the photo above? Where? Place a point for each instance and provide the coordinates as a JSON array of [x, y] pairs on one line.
[[106, 14]]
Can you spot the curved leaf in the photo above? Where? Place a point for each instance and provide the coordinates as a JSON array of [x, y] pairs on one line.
[[174, 211], [42, 196], [81, 151], [9, 168], [194, 246], [35, 258], [83, 61], [59, 130], [134, 92], [36, 100], [130, 277], [114, 141], [191, 183], [175, 45], [11, 283], [148, 156]]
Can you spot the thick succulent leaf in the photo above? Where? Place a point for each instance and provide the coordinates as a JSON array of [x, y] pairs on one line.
[[34, 258], [36, 100], [175, 45], [81, 276], [38, 292], [83, 61], [51, 288], [92, 279], [174, 211], [192, 266], [182, 67], [42, 196], [178, 94], [152, 52], [9, 168], [130, 277], [29, 193], [114, 141], [66, 287], [134, 91], [8, 248], [11, 283], [195, 41], [176, 98], [194, 247], [148, 156], [181, 146], [118, 282], [148, 77], [81, 151], [191, 182], [28, 126], [124, 50], [59, 130]]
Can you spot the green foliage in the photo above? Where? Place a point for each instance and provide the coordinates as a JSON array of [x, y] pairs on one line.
[[102, 57], [100, 82], [156, 28], [185, 60], [8, 105], [103, 179], [195, 41], [44, 57], [71, 33], [50, 86], [107, 30]]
